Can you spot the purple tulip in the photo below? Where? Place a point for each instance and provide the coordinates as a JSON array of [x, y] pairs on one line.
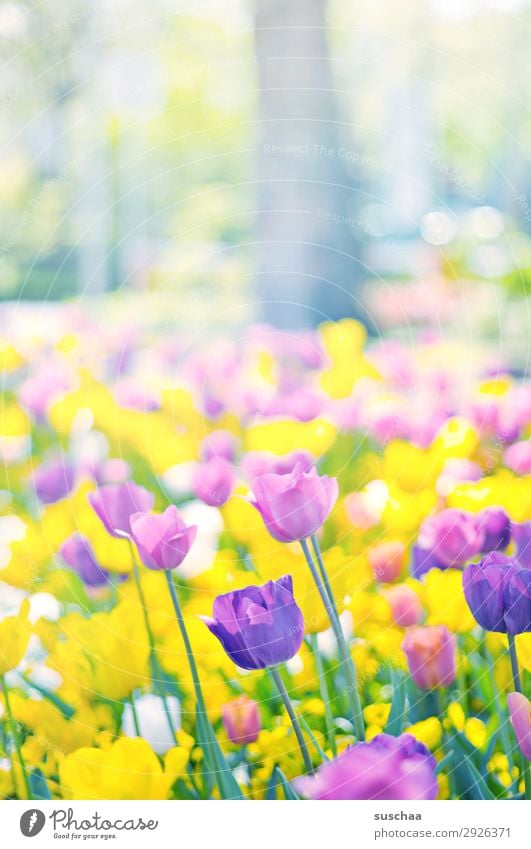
[[213, 482], [295, 505], [496, 527], [162, 539], [53, 480], [258, 626], [258, 463], [115, 504], [431, 653], [452, 536], [422, 560], [522, 537], [77, 553], [498, 592], [518, 457], [385, 768]]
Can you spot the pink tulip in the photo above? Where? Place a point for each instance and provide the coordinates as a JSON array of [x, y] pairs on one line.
[[386, 560], [405, 605], [213, 482], [162, 539], [241, 720], [520, 714], [431, 656], [295, 505]]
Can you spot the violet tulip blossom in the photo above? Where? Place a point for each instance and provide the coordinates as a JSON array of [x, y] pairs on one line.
[[258, 626], [385, 768], [498, 592], [77, 553], [452, 537], [53, 480], [496, 527]]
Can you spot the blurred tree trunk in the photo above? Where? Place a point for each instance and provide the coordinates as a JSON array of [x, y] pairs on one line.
[[306, 267]]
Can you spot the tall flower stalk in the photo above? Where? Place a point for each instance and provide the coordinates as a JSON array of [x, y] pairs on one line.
[[347, 664], [517, 679], [163, 541], [294, 506], [16, 739], [156, 668], [284, 695]]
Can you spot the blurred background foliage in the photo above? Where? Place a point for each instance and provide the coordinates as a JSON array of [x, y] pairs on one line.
[[133, 156]]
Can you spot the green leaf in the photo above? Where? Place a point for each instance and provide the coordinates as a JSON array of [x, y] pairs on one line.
[[289, 792], [39, 786], [395, 722]]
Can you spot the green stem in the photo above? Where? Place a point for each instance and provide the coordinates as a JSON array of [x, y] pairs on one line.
[[14, 732], [294, 721], [135, 716], [514, 663], [324, 575], [504, 722], [325, 694], [203, 719], [156, 669], [187, 644], [518, 687], [346, 660]]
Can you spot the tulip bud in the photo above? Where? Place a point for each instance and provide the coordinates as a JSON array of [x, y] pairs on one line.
[[431, 656], [241, 720], [386, 560]]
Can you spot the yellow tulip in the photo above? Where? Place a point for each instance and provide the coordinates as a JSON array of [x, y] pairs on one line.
[[129, 769], [14, 637]]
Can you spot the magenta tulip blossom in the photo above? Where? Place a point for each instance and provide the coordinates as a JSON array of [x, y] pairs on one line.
[[295, 505], [431, 653], [520, 714], [219, 445], [451, 537], [405, 605], [162, 539], [213, 482], [115, 504], [385, 768]]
